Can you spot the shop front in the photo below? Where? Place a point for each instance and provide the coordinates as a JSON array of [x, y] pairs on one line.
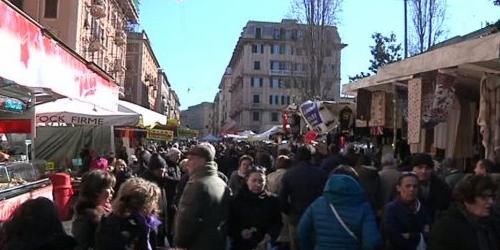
[[36, 68]]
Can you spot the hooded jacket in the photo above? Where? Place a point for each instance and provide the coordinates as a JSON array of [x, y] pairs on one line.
[[319, 228]]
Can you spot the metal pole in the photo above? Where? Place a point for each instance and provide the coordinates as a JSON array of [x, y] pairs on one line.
[[406, 27]]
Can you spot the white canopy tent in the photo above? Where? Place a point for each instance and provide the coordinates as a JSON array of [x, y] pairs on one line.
[[71, 111], [149, 117]]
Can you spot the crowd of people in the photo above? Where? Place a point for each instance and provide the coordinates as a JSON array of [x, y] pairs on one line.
[[245, 197]]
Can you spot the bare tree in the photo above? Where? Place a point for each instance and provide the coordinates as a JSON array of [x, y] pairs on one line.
[[428, 18], [316, 17]]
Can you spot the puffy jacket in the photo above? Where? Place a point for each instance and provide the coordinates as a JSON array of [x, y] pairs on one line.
[[319, 228]]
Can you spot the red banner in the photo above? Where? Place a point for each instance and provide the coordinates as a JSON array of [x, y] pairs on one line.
[[33, 59]]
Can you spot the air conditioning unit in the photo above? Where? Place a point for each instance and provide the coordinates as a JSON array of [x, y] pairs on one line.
[[98, 9], [95, 46], [120, 37]]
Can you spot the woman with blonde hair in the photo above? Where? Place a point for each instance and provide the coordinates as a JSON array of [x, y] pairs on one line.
[[133, 222]]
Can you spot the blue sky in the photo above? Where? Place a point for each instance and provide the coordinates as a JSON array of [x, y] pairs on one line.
[[194, 39]]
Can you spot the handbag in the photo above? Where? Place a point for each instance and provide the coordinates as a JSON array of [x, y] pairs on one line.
[[342, 223]]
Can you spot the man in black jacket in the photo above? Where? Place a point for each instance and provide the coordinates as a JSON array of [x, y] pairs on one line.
[[301, 185], [434, 193]]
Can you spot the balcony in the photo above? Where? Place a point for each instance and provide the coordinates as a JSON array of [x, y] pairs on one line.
[[95, 45], [286, 72], [120, 37], [118, 66], [98, 9]]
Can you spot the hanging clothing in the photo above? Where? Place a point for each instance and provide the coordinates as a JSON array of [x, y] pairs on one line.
[[489, 116], [453, 128], [378, 109], [442, 99], [414, 111], [363, 107]]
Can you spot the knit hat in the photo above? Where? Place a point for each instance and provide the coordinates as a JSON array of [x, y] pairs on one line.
[[157, 162], [204, 150]]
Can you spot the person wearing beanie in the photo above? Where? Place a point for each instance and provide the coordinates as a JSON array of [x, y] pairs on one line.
[[434, 193], [155, 173], [173, 176], [204, 204]]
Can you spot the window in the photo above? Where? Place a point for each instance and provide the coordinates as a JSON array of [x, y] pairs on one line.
[[262, 48], [282, 100], [276, 99], [282, 49], [256, 65], [254, 48], [18, 3], [256, 116], [258, 33], [288, 100], [50, 9], [275, 49], [261, 82], [275, 83], [275, 64], [274, 116], [256, 81], [256, 98], [276, 34], [271, 99]]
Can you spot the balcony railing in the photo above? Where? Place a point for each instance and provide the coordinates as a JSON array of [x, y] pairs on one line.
[[120, 37], [286, 72]]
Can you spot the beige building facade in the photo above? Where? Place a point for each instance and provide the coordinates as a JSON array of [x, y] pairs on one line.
[[143, 78], [95, 29], [199, 117], [266, 74]]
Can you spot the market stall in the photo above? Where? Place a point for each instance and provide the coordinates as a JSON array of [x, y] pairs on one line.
[[445, 96], [36, 68]]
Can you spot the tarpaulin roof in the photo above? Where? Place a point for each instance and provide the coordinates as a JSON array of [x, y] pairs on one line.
[[72, 111], [149, 117]]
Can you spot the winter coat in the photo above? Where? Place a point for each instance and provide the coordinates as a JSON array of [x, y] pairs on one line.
[[121, 233], [370, 181], [236, 182], [84, 225], [459, 231], [203, 211], [319, 228], [454, 177], [389, 176], [399, 219], [438, 198], [273, 185], [249, 210], [55, 242], [300, 186]]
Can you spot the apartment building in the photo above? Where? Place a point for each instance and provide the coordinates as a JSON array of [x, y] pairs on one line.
[[95, 29], [199, 117], [174, 106], [143, 78], [267, 72]]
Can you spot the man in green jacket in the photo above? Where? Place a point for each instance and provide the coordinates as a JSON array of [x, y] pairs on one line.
[[203, 207]]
